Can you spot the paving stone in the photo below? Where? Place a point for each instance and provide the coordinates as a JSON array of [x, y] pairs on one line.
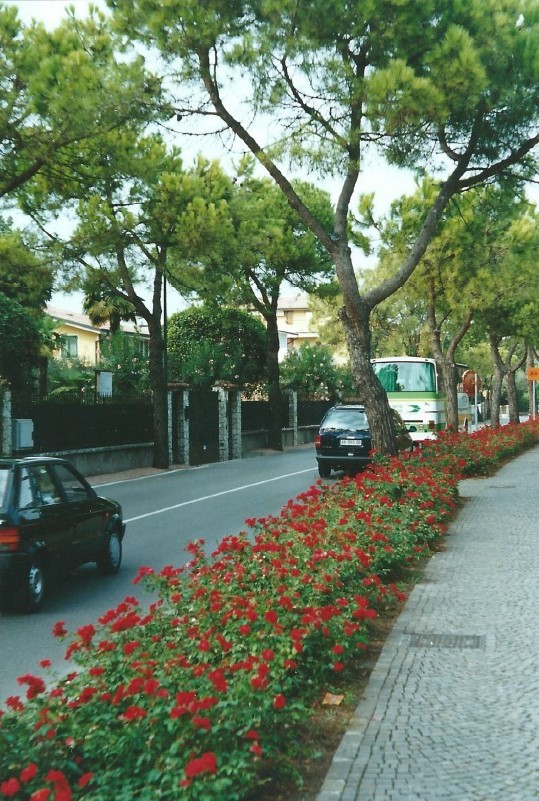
[[451, 712]]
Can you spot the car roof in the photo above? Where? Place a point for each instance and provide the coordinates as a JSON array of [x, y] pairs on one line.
[[28, 460], [356, 406]]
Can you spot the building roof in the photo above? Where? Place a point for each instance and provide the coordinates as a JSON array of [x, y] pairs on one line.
[[82, 321], [297, 300]]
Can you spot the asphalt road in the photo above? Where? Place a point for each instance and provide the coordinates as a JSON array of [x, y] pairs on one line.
[[164, 512]]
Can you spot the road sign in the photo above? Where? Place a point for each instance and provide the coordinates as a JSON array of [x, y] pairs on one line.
[[532, 373]]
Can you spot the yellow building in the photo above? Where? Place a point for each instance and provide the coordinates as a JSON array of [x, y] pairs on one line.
[[294, 323], [80, 338]]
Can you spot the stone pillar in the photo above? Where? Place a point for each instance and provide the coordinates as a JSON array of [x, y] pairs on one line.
[[170, 405], [223, 423], [178, 426], [234, 400], [6, 441], [293, 414], [183, 426]]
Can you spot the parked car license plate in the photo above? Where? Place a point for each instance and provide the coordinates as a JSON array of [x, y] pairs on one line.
[[355, 442]]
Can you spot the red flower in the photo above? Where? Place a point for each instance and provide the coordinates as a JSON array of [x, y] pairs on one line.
[[218, 680], [14, 702], [107, 645], [59, 629], [85, 779], [45, 663], [28, 772], [62, 791], [207, 763], [201, 723], [134, 713], [10, 787], [142, 572], [40, 795], [86, 633], [279, 702], [35, 685]]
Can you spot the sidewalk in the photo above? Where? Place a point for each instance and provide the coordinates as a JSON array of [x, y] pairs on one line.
[[451, 711]]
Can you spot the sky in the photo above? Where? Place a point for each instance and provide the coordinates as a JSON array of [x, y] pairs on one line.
[[386, 182]]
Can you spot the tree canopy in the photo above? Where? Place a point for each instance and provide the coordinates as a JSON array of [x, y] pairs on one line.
[[25, 276], [430, 84], [211, 344], [60, 88], [21, 340]]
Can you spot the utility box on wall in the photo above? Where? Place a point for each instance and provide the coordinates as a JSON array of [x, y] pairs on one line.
[[22, 432]]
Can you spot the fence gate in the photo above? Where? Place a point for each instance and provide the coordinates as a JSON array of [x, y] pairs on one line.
[[203, 417]]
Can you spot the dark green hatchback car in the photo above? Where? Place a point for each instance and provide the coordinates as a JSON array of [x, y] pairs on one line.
[[50, 520]]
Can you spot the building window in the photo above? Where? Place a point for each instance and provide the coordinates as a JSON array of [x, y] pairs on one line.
[[142, 347], [69, 345]]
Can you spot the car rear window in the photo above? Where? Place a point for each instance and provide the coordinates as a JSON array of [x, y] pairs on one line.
[[353, 419], [4, 483]]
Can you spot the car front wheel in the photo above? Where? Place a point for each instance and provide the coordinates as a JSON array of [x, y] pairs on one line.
[[324, 470], [110, 558]]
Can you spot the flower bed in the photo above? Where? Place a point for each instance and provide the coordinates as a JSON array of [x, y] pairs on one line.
[[194, 697]]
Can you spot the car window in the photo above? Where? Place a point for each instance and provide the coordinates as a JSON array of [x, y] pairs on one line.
[[353, 419], [26, 493], [44, 489], [4, 483], [74, 488]]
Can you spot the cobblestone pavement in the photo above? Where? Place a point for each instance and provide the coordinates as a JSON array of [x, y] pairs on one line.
[[451, 712]]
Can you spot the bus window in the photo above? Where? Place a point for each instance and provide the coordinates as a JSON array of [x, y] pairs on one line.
[[406, 376]]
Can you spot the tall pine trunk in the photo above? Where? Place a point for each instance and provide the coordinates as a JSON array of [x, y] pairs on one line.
[[355, 316]]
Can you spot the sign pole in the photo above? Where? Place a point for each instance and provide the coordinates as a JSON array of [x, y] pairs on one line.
[[532, 374]]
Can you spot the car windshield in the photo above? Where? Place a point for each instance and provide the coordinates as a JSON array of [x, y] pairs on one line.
[[349, 419], [4, 481]]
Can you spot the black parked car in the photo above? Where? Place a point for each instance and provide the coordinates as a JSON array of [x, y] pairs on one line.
[[344, 439], [51, 519]]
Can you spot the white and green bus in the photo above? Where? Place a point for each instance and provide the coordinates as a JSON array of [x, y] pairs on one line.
[[413, 390]]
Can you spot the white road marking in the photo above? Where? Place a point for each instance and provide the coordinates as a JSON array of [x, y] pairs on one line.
[[217, 495]]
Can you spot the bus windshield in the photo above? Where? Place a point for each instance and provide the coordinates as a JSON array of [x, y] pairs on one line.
[[406, 376]]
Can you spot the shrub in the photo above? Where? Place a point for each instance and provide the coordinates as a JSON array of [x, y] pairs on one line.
[[195, 696]]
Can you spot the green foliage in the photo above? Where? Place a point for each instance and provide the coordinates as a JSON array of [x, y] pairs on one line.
[[45, 75], [20, 340], [123, 356], [311, 371], [65, 376], [24, 276], [208, 344]]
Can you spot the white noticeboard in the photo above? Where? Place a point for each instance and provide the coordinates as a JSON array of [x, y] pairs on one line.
[[104, 383]]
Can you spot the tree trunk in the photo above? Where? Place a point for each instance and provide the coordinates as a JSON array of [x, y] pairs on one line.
[[158, 383], [449, 381], [512, 397], [275, 434], [497, 382], [355, 316]]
